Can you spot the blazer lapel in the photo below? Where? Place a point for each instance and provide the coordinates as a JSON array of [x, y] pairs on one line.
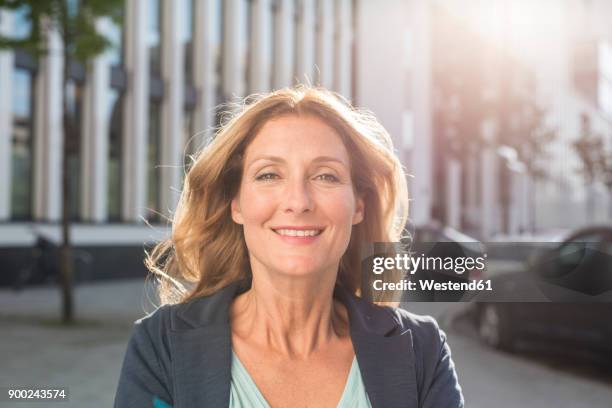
[[202, 345], [384, 353], [202, 367]]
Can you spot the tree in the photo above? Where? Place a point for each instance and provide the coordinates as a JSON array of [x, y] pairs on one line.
[[485, 98], [75, 22], [606, 165], [525, 129], [590, 149]]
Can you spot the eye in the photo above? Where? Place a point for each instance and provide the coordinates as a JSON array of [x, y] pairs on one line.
[[266, 177], [328, 177]]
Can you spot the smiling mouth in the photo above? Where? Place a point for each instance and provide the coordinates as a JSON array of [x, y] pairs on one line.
[[298, 233]]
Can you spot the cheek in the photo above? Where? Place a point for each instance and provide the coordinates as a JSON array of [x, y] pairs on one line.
[[256, 206], [340, 207]]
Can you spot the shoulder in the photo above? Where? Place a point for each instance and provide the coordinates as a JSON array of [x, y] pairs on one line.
[[425, 329], [147, 364], [435, 370], [428, 339]]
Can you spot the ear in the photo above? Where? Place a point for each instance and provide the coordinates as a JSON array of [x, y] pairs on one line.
[[359, 210], [236, 211]]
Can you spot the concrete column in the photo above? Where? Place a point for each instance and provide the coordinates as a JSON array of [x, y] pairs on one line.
[[472, 193], [514, 208], [453, 194], [283, 50], [343, 48], [234, 49], [48, 133], [206, 46], [134, 159], [488, 193], [261, 46], [94, 147], [172, 108], [325, 43], [305, 42], [420, 102], [381, 80], [527, 223], [6, 118]]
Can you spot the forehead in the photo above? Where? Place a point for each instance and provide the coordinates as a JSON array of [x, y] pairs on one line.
[[304, 136]]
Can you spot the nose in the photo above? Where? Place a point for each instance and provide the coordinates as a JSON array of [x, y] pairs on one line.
[[298, 198]]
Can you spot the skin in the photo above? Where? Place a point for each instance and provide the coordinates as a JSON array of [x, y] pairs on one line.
[[287, 330]]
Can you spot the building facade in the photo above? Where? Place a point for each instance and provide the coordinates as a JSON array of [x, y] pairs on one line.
[[145, 105]]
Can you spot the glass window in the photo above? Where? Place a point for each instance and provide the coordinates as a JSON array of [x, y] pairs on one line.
[[153, 157], [273, 43], [246, 25], [154, 36], [190, 143], [605, 59], [114, 33], [217, 46], [187, 8], [115, 121], [22, 145], [605, 96], [297, 27], [74, 95], [22, 27]]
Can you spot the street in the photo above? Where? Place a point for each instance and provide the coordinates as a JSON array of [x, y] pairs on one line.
[[87, 358]]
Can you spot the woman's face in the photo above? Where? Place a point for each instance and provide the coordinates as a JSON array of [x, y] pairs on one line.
[[296, 201]]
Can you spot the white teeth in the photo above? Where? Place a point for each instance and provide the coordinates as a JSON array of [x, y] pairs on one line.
[[298, 233]]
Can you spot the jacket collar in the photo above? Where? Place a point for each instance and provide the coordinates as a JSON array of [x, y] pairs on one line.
[[201, 350]]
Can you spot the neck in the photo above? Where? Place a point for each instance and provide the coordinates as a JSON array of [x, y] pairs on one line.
[[291, 316]]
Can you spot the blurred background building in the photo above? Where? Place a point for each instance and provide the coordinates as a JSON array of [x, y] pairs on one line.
[[484, 99]]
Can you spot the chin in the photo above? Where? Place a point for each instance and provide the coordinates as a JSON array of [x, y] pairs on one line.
[[299, 268]]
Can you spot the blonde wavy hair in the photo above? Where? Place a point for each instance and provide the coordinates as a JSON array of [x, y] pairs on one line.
[[207, 250]]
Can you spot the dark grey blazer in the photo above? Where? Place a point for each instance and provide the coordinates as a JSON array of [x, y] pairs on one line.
[[182, 355]]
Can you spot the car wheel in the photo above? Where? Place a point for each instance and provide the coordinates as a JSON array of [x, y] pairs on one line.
[[494, 327]]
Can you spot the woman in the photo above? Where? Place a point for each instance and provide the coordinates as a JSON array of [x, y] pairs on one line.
[[262, 274]]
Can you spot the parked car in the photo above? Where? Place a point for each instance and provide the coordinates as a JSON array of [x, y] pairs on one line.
[[576, 276], [437, 240]]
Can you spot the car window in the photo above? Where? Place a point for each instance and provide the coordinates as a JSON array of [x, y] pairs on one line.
[[572, 253]]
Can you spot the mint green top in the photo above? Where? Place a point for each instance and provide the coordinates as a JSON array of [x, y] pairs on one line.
[[245, 394]]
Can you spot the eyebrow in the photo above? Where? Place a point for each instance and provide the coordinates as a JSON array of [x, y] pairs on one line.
[[278, 159]]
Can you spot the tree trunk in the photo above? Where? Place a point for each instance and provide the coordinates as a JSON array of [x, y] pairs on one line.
[[590, 203], [66, 264], [609, 203], [532, 204]]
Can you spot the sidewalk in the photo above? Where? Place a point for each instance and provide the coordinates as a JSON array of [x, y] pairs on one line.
[[85, 358]]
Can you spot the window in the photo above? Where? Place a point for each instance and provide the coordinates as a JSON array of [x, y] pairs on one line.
[[22, 144], [217, 55], [187, 8], [190, 142], [154, 36], [115, 121], [74, 95], [297, 49], [153, 157], [274, 43], [247, 25], [21, 23], [114, 33]]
